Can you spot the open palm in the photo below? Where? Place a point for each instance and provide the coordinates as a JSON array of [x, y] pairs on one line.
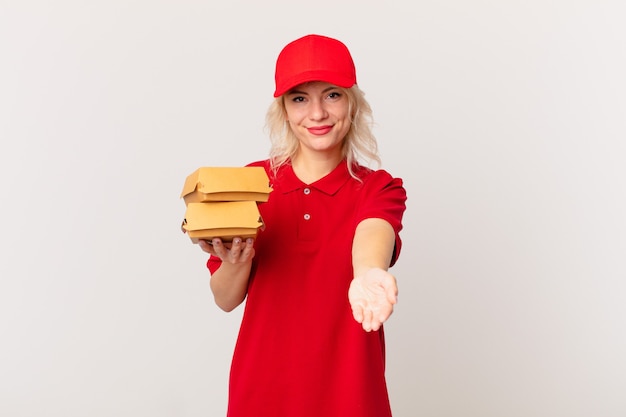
[[372, 296]]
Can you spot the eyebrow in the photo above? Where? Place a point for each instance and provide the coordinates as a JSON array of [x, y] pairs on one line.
[[332, 87]]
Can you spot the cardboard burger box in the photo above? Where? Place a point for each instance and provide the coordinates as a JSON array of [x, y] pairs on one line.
[[222, 202], [223, 219], [226, 184]]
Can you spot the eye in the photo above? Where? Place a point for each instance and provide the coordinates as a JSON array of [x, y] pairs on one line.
[[297, 99], [334, 95]]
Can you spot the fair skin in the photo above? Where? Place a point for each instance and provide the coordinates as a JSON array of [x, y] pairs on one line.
[[317, 113]]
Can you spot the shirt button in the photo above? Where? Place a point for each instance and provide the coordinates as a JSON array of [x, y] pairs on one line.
[[307, 191], [307, 216]]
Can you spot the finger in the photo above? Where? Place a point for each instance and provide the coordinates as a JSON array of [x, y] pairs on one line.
[[375, 325], [384, 314], [236, 245], [357, 313], [235, 249], [392, 294], [391, 289], [381, 317], [218, 248], [204, 245], [248, 250], [367, 319]]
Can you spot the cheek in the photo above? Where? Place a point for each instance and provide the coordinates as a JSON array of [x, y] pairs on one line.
[[292, 116], [345, 129], [345, 121], [343, 113]]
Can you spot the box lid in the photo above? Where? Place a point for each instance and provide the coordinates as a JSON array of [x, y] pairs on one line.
[[209, 180], [219, 215]]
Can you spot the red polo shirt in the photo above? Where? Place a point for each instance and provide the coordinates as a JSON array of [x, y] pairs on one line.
[[299, 352]]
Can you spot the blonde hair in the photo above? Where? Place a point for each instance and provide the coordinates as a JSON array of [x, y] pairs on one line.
[[359, 145]]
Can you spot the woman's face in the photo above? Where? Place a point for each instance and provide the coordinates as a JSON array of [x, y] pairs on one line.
[[318, 114]]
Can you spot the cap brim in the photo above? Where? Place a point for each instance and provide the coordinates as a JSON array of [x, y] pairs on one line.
[[310, 76]]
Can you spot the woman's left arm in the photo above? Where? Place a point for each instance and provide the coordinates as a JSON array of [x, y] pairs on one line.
[[373, 290]]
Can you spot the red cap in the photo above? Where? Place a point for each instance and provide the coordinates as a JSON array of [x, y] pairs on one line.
[[314, 58]]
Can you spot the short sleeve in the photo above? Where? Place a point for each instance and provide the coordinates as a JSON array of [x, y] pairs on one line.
[[383, 197], [213, 264]]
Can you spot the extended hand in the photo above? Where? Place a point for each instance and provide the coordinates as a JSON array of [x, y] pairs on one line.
[[372, 296]]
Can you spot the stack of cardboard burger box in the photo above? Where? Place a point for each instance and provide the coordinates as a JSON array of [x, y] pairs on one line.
[[222, 202]]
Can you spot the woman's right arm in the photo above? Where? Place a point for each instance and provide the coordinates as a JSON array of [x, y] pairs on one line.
[[229, 283]]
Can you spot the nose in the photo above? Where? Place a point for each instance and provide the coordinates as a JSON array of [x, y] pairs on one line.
[[317, 110]]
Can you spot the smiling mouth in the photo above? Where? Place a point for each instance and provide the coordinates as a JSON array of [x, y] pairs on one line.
[[319, 130]]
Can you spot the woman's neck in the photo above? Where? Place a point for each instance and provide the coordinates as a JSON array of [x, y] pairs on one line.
[[311, 169]]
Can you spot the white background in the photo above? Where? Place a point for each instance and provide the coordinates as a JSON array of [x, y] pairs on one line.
[[506, 121]]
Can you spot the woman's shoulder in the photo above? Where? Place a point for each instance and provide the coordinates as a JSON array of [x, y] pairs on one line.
[[367, 174], [261, 163]]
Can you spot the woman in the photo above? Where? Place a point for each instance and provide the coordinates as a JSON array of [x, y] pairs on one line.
[[315, 280]]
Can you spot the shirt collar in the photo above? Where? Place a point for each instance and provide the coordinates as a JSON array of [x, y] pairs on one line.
[[329, 184]]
